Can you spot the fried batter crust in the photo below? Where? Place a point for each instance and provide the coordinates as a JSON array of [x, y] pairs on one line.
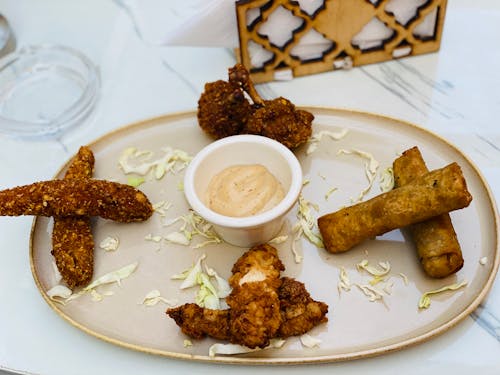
[[72, 240], [435, 239], [254, 303], [262, 305], [432, 194], [223, 109], [198, 322], [299, 312], [280, 120], [77, 197]]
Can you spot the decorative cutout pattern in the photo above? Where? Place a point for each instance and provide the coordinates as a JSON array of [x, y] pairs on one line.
[[300, 37]]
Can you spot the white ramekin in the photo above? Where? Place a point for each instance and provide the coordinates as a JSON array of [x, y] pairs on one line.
[[237, 150]]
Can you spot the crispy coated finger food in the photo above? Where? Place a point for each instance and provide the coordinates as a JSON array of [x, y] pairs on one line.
[[223, 110], [254, 307], [437, 192], [435, 239], [199, 322], [72, 240], [299, 312], [77, 197], [262, 305]]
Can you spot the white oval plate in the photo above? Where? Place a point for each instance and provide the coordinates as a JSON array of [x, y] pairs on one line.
[[356, 327]]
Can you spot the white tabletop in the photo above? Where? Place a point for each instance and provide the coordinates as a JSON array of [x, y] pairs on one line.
[[455, 93]]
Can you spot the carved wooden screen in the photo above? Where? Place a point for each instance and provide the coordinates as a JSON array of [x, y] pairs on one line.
[[334, 25]]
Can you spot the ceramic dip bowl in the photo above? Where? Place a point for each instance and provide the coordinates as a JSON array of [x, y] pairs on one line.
[[244, 150]]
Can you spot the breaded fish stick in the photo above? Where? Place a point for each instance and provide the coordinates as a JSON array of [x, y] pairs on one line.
[[72, 240], [432, 194], [77, 197], [435, 239]]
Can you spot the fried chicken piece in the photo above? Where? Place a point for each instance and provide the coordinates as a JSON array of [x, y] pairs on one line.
[[72, 240], [262, 305], [198, 322], [299, 312], [223, 109], [77, 197], [278, 118], [254, 308]]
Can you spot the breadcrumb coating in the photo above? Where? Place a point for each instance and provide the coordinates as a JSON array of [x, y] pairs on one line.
[[77, 197], [72, 240]]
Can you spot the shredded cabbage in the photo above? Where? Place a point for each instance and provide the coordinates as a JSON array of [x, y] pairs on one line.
[[307, 222], [317, 137], [278, 240], [383, 270], [135, 181], [344, 282], [110, 243], [371, 167], [154, 297], [386, 179], [139, 162], [208, 294], [193, 225], [230, 349], [309, 341], [425, 300], [372, 293], [62, 294]]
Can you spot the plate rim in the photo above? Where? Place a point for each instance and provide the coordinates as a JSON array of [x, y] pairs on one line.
[[339, 357]]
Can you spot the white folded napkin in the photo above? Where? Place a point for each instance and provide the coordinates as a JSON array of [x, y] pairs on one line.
[[213, 23]]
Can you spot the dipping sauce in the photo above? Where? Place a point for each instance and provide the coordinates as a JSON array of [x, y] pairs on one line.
[[243, 190]]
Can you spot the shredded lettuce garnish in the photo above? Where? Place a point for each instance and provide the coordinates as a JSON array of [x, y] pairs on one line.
[[162, 207], [278, 240], [230, 349], [153, 238], [371, 167], [386, 179], [306, 222], [59, 293], [344, 282], [382, 270], [63, 296], [135, 181], [329, 192], [425, 300], [317, 137], [154, 297], [404, 277], [309, 341], [187, 343], [208, 294], [372, 293], [139, 162], [178, 238], [110, 243], [193, 225]]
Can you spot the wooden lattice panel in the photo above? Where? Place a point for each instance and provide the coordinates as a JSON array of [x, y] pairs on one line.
[[337, 22]]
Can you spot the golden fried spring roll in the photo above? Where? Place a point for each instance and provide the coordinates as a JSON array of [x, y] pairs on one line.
[[435, 239], [432, 194], [72, 240]]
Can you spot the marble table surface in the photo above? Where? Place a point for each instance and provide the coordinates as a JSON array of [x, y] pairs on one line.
[[454, 93]]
